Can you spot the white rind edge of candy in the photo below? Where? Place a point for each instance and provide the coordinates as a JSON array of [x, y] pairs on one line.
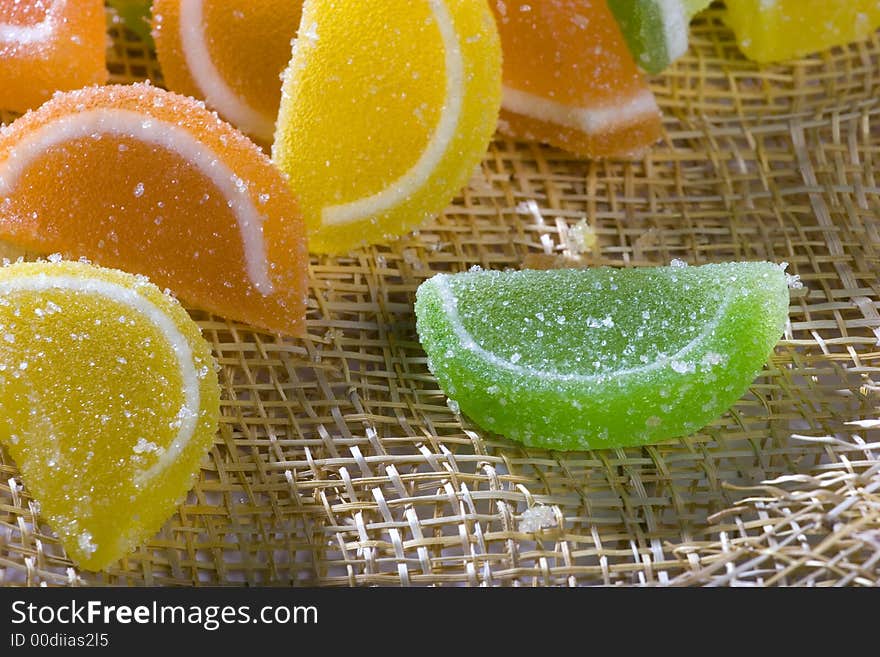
[[589, 120], [469, 343], [206, 76], [189, 411], [399, 190], [675, 28], [36, 33]]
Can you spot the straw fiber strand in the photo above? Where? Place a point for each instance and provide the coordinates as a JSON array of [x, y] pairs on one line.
[[338, 461]]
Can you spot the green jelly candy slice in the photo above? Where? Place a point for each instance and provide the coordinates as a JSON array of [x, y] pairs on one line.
[[599, 358], [656, 30]]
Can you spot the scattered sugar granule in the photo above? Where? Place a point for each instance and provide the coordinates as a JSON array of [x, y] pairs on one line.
[[84, 540], [411, 257], [792, 280], [582, 238], [144, 445], [537, 517], [605, 322], [682, 367]]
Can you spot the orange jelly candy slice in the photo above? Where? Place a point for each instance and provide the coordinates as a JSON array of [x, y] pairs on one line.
[[570, 81], [231, 54], [144, 180], [108, 401], [47, 46]]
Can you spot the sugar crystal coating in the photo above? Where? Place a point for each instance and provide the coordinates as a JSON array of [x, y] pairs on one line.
[[151, 182], [569, 80], [108, 401], [537, 518], [577, 359], [387, 107], [231, 53], [47, 46]]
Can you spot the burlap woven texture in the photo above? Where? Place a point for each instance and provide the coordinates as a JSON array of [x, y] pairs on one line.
[[338, 461]]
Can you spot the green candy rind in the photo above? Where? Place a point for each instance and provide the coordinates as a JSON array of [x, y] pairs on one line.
[[656, 30], [487, 359]]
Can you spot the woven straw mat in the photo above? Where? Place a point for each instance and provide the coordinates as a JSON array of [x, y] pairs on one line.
[[338, 461]]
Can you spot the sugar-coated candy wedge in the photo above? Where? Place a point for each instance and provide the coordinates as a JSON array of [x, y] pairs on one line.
[[108, 401], [47, 46], [774, 30], [387, 107], [141, 179], [569, 80], [231, 53], [656, 30], [599, 358]]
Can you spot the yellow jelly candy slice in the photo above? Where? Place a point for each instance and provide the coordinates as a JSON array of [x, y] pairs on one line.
[[774, 30], [108, 401], [386, 109]]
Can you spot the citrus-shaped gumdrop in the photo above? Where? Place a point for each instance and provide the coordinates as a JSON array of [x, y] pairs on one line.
[[386, 109], [47, 46], [151, 182], [108, 402], [784, 29], [656, 30], [570, 81], [585, 359], [229, 53]]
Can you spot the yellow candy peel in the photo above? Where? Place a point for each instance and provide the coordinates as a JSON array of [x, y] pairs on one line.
[[386, 109], [108, 402]]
